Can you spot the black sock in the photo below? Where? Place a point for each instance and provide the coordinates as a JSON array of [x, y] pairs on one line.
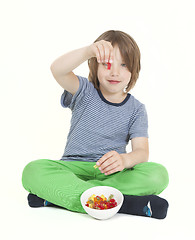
[[35, 201], [148, 206]]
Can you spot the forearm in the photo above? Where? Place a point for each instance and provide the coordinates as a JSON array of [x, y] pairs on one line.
[[135, 157], [69, 61]]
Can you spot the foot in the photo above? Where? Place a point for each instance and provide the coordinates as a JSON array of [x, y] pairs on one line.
[[35, 201], [148, 206]]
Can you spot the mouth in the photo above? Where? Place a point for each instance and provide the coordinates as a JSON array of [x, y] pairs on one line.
[[113, 81]]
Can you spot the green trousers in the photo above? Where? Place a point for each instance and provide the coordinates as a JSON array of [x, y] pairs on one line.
[[63, 182]]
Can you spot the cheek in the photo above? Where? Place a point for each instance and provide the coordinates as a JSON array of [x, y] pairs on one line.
[[128, 73], [127, 76], [101, 73]]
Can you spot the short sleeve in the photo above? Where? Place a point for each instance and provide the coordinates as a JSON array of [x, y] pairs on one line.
[[139, 123], [71, 101]]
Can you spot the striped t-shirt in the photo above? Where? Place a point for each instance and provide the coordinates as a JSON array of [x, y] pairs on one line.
[[99, 126]]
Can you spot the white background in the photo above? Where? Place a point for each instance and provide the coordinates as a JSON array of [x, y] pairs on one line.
[[34, 125]]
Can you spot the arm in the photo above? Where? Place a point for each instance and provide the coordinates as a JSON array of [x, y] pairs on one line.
[[139, 154], [113, 162], [63, 66]]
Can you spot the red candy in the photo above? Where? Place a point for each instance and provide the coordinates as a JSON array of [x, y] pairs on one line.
[[108, 66], [101, 203]]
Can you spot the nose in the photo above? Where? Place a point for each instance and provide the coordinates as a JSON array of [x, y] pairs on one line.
[[114, 70]]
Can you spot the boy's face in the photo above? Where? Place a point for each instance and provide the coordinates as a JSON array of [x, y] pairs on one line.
[[115, 80]]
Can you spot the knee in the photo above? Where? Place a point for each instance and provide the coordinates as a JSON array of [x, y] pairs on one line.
[[159, 177], [33, 166], [31, 171]]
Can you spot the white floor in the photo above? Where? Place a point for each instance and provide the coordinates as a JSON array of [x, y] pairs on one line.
[[22, 222]]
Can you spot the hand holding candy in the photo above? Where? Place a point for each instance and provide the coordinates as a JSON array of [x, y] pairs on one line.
[[110, 162], [103, 51]]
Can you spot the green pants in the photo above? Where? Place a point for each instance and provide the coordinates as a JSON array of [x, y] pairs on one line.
[[63, 182]]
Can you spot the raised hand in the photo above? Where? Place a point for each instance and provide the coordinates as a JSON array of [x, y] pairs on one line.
[[103, 51]]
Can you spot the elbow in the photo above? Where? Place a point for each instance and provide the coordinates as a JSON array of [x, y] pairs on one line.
[[52, 68], [53, 71]]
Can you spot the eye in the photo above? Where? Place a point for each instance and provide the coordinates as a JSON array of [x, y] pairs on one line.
[[123, 65]]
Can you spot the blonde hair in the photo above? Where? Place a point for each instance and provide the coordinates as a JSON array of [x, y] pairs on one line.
[[129, 52]]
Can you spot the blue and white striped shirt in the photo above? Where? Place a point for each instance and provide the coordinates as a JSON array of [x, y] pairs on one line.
[[99, 126]]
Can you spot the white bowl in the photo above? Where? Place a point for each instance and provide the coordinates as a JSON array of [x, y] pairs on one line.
[[106, 191]]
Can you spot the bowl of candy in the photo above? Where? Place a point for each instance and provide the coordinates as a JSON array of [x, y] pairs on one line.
[[102, 202]]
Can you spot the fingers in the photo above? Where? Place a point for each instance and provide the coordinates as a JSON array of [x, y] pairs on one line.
[[110, 163], [104, 158], [103, 51], [109, 166]]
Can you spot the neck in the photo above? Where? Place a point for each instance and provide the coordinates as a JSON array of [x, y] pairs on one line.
[[117, 97]]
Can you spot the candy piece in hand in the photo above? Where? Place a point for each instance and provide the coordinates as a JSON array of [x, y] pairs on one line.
[[108, 66]]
